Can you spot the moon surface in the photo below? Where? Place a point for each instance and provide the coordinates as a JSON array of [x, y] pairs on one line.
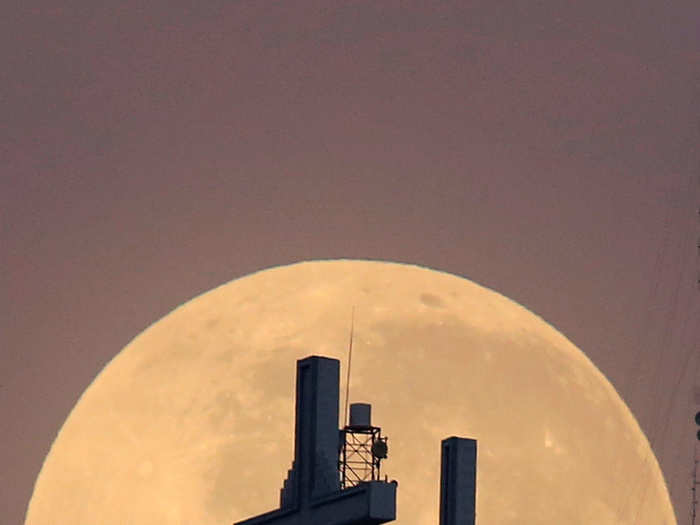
[[193, 421]]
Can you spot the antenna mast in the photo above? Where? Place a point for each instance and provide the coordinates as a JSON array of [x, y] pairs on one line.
[[347, 381]]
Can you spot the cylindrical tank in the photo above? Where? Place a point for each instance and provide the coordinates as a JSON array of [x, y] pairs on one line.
[[360, 415]]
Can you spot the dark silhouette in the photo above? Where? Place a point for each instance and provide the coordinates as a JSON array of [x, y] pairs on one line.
[[458, 481], [312, 494]]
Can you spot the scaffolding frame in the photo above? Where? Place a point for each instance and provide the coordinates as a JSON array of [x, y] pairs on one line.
[[358, 460]]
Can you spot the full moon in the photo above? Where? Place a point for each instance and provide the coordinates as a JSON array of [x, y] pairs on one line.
[[193, 421]]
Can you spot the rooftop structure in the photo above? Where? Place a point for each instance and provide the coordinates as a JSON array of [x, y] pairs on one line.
[[334, 479]]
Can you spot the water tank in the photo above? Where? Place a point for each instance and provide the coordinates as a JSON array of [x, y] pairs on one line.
[[360, 415]]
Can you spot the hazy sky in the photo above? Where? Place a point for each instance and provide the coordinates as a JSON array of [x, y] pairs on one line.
[[149, 153]]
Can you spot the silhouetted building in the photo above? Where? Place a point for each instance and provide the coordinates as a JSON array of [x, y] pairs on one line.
[[334, 479], [311, 493], [458, 481]]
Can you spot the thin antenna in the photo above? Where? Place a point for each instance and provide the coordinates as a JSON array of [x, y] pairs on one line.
[[347, 381]]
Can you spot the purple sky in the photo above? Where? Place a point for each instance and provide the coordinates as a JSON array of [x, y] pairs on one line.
[[150, 153]]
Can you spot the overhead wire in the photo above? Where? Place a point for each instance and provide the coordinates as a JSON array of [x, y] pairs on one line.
[[640, 485], [656, 399], [669, 321], [646, 326], [659, 441]]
